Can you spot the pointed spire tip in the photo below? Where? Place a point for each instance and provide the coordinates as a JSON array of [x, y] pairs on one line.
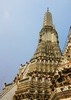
[[47, 9]]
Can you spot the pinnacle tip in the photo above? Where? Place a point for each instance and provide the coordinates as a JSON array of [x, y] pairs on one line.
[[47, 9]]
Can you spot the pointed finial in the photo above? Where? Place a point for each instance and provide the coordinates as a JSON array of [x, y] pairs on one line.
[[47, 9], [47, 18]]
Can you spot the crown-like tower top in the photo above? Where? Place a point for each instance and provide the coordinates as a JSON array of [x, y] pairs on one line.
[[47, 19]]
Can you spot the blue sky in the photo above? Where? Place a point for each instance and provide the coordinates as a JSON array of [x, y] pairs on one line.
[[20, 24]]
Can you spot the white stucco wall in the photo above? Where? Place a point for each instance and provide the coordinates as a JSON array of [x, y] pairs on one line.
[[9, 95]]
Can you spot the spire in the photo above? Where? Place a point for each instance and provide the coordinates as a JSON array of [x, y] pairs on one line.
[[67, 50], [48, 40], [48, 19]]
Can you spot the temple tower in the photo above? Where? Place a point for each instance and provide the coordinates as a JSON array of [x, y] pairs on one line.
[[47, 76], [38, 82]]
